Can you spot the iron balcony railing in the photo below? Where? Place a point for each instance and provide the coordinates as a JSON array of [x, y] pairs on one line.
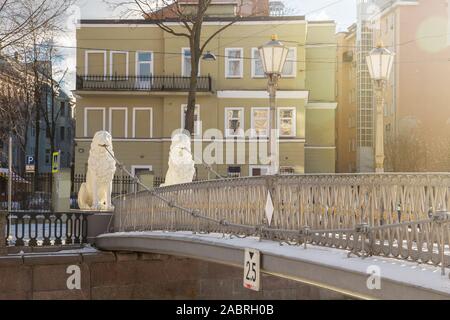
[[141, 83]]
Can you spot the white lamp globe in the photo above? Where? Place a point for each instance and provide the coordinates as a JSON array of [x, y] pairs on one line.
[[273, 56]]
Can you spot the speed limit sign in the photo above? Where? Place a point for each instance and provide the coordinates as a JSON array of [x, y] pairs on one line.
[[252, 270]]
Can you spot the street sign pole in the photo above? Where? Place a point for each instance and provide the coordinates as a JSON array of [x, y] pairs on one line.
[[10, 175], [10, 168]]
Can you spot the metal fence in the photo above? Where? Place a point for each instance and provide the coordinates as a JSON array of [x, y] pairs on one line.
[[30, 191], [395, 215], [121, 185], [36, 229]]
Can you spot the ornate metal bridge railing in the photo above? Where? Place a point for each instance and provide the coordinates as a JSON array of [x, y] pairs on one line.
[[397, 215]]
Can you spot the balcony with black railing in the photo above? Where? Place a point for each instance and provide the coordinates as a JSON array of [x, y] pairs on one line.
[[141, 83]]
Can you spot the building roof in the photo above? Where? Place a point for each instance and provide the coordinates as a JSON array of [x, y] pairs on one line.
[[321, 21], [245, 8], [207, 19]]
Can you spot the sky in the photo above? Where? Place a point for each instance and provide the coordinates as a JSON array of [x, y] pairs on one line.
[[341, 11]]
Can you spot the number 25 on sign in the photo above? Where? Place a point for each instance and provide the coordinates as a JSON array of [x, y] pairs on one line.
[[252, 270]]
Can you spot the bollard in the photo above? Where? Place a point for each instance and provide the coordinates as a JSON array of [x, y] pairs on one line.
[[3, 221], [61, 191]]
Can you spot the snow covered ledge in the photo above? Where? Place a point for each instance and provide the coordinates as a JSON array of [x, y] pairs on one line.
[[323, 267]]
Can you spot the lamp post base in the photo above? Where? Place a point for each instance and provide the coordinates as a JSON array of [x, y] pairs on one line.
[[379, 170]]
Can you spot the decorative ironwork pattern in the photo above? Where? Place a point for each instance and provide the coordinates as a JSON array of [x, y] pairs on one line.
[[369, 214], [35, 229], [141, 83]]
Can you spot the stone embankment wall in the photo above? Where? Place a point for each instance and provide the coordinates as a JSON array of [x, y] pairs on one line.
[[109, 275]]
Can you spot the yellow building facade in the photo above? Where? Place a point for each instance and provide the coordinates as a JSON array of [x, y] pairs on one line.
[[416, 113], [346, 116], [133, 80]]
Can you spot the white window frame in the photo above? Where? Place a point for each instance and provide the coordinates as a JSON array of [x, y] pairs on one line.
[[183, 63], [86, 62], [259, 167], [197, 127], [111, 110], [254, 65], [242, 118], [111, 62], [294, 67], [139, 63], [228, 59], [253, 131], [86, 111], [294, 122], [151, 120], [137, 167]]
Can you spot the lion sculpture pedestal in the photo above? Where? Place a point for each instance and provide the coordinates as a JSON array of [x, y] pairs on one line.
[[95, 194], [181, 164]]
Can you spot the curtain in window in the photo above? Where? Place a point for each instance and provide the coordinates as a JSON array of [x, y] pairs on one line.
[[257, 64], [187, 63], [234, 63], [286, 122], [288, 69], [234, 121], [261, 122]]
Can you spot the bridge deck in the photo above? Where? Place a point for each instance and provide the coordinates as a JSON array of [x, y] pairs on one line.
[[324, 267]]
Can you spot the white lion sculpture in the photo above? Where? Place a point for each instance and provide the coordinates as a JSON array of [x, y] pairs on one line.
[[181, 164], [95, 194]]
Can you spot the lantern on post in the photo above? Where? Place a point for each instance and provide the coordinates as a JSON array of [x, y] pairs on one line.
[[380, 62], [273, 57]]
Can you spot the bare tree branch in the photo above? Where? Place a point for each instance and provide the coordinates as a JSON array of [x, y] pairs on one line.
[[20, 18], [29, 28]]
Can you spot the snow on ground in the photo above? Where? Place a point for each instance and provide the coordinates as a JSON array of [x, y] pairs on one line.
[[84, 250], [420, 275]]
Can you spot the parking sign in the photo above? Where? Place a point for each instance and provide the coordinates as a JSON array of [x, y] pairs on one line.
[[30, 165], [30, 160]]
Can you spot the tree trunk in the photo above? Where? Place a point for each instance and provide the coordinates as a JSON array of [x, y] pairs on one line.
[[195, 61], [192, 98]]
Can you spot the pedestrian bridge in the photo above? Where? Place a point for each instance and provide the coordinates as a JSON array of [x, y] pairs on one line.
[[326, 268], [333, 231]]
